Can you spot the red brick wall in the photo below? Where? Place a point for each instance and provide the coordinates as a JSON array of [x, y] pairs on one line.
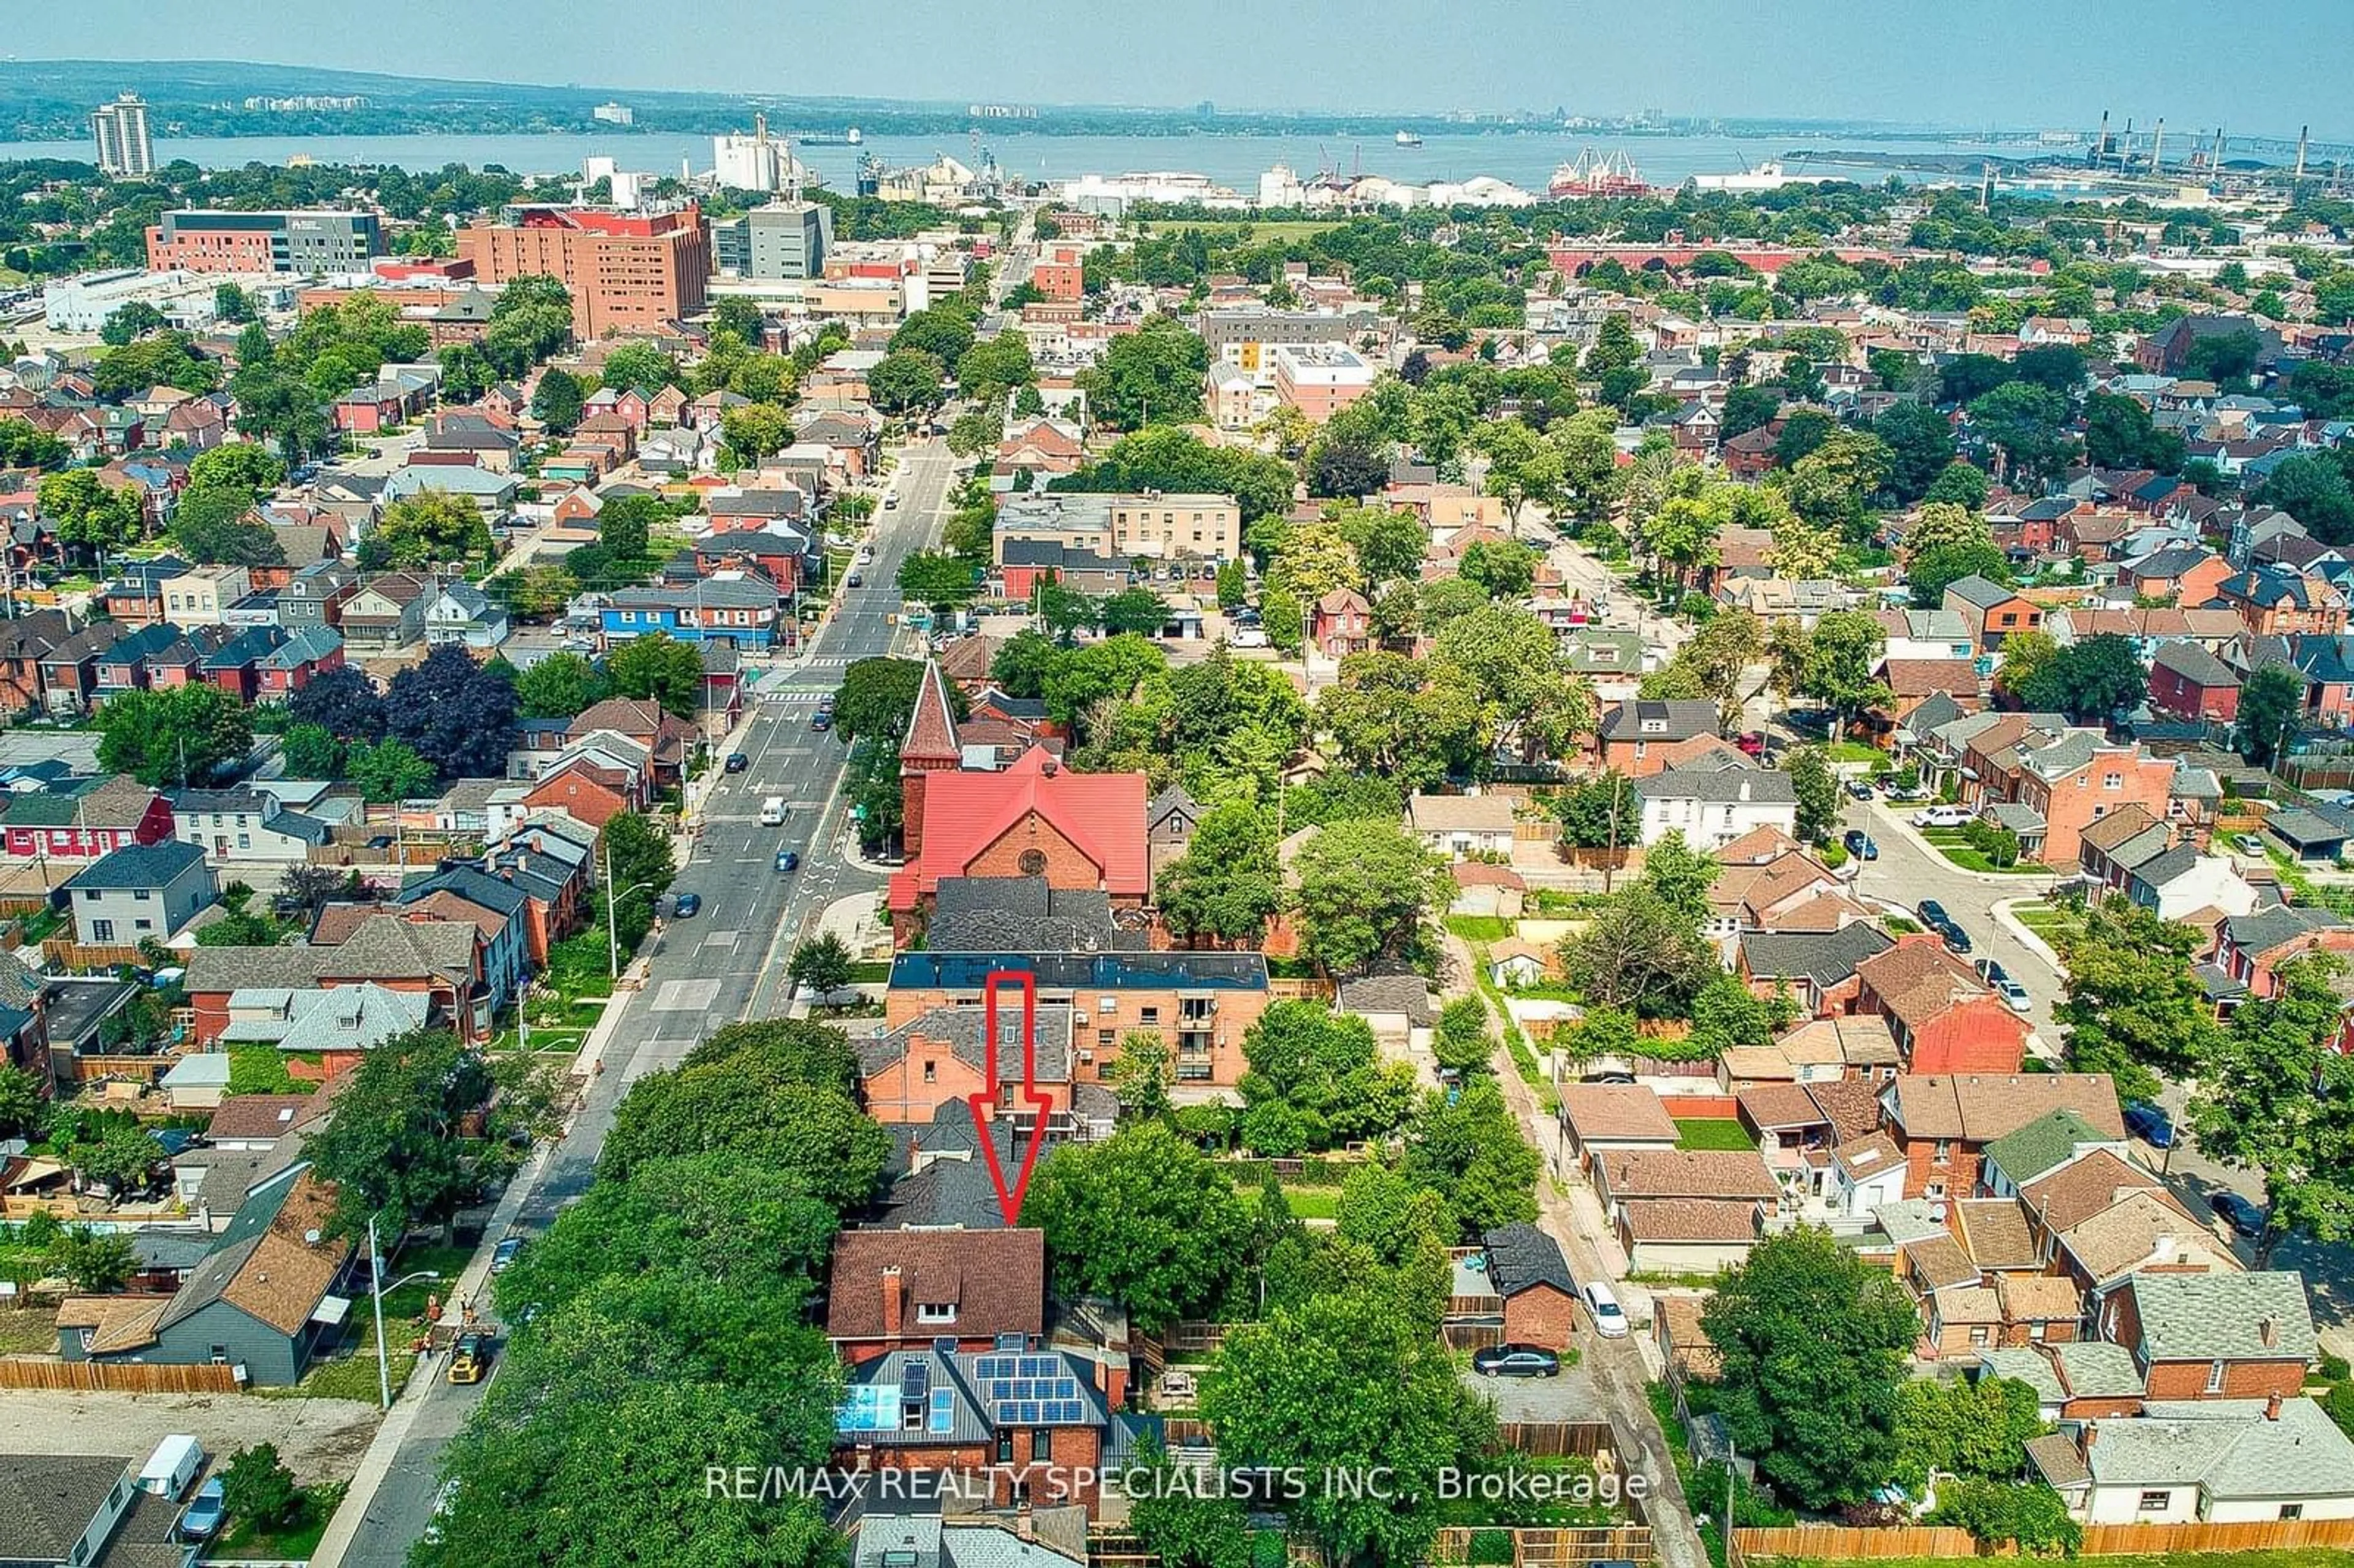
[[1067, 866], [2242, 1379], [900, 1092], [1540, 1316]]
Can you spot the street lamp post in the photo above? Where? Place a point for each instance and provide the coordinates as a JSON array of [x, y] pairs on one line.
[[612, 926], [376, 1287]]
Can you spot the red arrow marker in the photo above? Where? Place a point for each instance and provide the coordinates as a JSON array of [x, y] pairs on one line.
[[1009, 1198]]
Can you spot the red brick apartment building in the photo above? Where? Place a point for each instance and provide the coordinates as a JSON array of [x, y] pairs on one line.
[[627, 271]]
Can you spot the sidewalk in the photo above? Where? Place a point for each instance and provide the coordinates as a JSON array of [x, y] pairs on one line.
[[472, 1283]]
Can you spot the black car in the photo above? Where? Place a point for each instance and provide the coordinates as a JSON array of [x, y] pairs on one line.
[[1859, 844], [1958, 939], [1858, 790], [1933, 914], [2246, 1219], [738, 762], [1516, 1361]]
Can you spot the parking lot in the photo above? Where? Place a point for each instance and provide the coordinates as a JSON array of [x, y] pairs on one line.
[[1571, 1396], [319, 1439]]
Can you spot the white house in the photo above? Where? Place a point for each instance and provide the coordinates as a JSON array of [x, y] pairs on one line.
[[2220, 1461], [2181, 880], [1864, 1175], [460, 613], [1461, 826], [248, 822], [1714, 806]]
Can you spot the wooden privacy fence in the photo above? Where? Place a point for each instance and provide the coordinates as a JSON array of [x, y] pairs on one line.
[[1836, 1543], [118, 1377], [1555, 1439], [1280, 989], [1544, 1548]]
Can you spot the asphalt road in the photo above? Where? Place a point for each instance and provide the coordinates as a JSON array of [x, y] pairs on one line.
[[725, 964]]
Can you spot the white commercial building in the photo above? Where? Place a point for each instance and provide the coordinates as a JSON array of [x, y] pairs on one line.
[[82, 304], [120, 129]]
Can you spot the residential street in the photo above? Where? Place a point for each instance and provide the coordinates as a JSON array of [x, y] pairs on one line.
[[726, 964]]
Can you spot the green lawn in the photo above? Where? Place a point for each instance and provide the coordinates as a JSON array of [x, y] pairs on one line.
[[27, 1331], [1855, 751], [1279, 230], [1712, 1132], [1307, 1203], [1949, 842], [1481, 927], [292, 1543], [2055, 925]]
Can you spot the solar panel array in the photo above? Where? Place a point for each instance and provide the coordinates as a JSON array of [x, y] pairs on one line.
[[1030, 1391], [943, 1413]]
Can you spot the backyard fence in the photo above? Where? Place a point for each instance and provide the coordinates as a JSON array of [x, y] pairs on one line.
[[1820, 1542], [117, 1377], [1547, 1548]]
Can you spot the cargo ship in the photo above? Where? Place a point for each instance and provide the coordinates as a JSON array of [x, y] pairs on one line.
[[1596, 173]]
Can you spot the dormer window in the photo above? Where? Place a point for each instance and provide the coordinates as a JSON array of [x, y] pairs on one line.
[[935, 1311]]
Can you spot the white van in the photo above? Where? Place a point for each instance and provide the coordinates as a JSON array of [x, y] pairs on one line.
[[772, 812], [1601, 1301], [172, 1466]]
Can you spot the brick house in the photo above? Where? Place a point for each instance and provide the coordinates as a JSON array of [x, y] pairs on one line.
[[2080, 779], [1991, 611], [587, 790], [86, 820], [2215, 1336], [1200, 1003], [2184, 574], [1943, 1017], [669, 741], [2272, 602], [1818, 967], [1942, 1123], [2252, 948], [1527, 1269], [905, 1289], [1340, 623], [2188, 682], [908, 1074], [1636, 737]]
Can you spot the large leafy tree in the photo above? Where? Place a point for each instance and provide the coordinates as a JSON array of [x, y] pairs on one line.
[[1934, 569], [342, 702], [1813, 1342], [1364, 887], [1639, 954], [1227, 884], [215, 525], [764, 1115], [661, 669], [1534, 707], [2090, 679], [1403, 718], [1150, 376], [876, 698], [178, 735], [91, 516], [2131, 1006], [907, 382], [1143, 1217], [2028, 424], [1842, 654], [555, 402], [2271, 703], [2311, 487], [1816, 784], [558, 686], [457, 715], [939, 581], [1920, 445], [2276, 1096], [423, 1122], [1342, 1383], [430, 529]]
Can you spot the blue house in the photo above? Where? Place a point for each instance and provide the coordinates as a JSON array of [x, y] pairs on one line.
[[738, 607]]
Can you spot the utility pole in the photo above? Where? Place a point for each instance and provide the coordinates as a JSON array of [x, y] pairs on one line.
[[375, 1294], [612, 926]]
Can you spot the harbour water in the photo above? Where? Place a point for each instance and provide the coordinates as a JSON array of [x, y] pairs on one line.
[[1524, 158]]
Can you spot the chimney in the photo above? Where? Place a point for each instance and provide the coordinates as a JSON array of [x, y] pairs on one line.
[[2273, 1406], [894, 1302], [2268, 1330], [2088, 1435]]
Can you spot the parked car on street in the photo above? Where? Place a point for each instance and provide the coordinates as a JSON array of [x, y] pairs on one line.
[[2246, 1219], [1942, 817], [2011, 990], [1859, 789], [2149, 1123], [1859, 844], [1602, 1302], [1516, 1361], [1933, 914], [502, 1256]]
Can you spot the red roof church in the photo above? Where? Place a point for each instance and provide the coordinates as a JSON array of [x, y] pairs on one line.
[[1035, 818]]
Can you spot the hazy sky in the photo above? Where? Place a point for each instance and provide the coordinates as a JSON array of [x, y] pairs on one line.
[[1958, 62]]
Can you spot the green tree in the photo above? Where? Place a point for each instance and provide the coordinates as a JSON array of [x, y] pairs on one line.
[[1363, 890], [2120, 433], [1342, 1384], [1680, 876], [432, 528], [23, 1102], [1813, 1343], [91, 516], [1463, 1042], [257, 1487], [1151, 374], [555, 402], [216, 525], [760, 1117], [130, 322], [1638, 955], [422, 1122], [877, 697], [661, 669], [2271, 703], [1960, 483], [1932, 570], [558, 686], [1389, 544], [1142, 1217], [94, 1262], [1142, 1073], [2275, 1096], [625, 524], [1228, 884], [905, 382], [1976, 1428], [121, 1158], [753, 432], [311, 751], [176, 736], [639, 367], [1505, 569], [1843, 652], [939, 581], [2092, 678], [821, 966], [1749, 407], [2028, 424], [2131, 1006], [2309, 486], [388, 770], [235, 465], [1180, 1525], [1920, 447], [1816, 784]]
